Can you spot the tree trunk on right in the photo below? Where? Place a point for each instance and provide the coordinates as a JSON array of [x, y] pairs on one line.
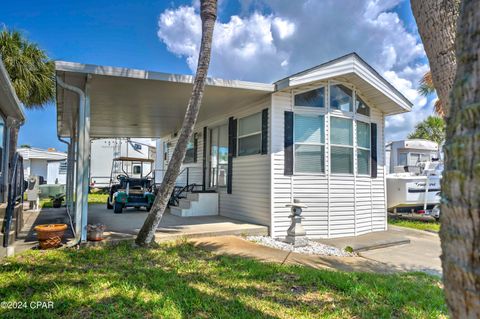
[[460, 231]]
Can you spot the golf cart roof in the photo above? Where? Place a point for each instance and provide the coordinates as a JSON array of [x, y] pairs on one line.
[[133, 159]]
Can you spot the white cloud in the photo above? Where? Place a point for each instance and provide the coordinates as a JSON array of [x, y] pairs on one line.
[[295, 35]]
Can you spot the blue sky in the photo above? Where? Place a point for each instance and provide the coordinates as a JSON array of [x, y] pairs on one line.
[[125, 33]]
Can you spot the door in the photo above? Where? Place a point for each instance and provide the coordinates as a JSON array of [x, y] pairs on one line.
[[218, 157]]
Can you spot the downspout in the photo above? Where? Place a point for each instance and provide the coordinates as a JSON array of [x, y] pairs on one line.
[[68, 195], [79, 177]]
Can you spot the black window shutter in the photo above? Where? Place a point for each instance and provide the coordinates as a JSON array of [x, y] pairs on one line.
[[204, 159], [288, 143], [265, 131], [195, 147], [232, 150], [373, 153]]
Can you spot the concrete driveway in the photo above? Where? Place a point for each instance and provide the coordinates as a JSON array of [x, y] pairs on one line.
[[421, 254]]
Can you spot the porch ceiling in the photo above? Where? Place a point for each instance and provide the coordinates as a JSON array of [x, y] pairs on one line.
[[135, 103]]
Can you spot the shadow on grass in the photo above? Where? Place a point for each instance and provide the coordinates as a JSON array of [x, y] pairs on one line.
[[182, 281]]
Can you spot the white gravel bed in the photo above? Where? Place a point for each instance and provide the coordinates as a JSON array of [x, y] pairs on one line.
[[313, 247]]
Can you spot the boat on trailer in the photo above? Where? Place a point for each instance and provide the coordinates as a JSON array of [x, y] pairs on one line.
[[414, 175]]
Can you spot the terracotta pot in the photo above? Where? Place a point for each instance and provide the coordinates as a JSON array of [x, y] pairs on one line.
[[95, 232], [50, 235]]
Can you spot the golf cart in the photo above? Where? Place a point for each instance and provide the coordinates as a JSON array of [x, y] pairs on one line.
[[129, 187]]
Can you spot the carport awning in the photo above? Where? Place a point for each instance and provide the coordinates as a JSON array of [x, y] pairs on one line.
[[136, 103]]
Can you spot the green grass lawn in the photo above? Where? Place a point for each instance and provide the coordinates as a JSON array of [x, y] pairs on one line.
[[93, 198], [416, 224], [97, 198], [177, 280]]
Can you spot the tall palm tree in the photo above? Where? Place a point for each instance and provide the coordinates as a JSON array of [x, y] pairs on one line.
[[427, 88], [438, 16], [432, 129], [460, 231], [31, 73], [208, 13]]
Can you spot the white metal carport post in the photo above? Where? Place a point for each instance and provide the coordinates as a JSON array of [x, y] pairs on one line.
[[83, 162], [82, 157], [86, 158]]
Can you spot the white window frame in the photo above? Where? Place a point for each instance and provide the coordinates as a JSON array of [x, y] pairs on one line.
[[248, 135], [328, 112], [343, 145], [311, 114], [364, 149]]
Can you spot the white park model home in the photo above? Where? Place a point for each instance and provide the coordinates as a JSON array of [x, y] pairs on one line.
[[318, 137]]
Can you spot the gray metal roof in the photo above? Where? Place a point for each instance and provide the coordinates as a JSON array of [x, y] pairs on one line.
[[9, 102]]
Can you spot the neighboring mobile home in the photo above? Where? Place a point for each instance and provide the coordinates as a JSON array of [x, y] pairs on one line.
[[316, 136], [49, 165], [11, 115]]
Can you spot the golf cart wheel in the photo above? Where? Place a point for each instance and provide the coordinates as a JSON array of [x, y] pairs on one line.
[[109, 206], [118, 208]]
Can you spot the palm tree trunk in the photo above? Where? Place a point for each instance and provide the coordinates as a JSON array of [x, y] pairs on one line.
[[208, 13], [460, 232], [437, 24]]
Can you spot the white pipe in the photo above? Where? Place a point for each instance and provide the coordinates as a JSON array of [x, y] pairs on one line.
[[68, 194], [79, 175]]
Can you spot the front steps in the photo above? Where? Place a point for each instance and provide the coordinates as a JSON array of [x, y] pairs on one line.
[[196, 204], [15, 227]]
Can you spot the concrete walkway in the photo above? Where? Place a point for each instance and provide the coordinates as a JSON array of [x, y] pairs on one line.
[[375, 240], [422, 254], [237, 246], [128, 224]]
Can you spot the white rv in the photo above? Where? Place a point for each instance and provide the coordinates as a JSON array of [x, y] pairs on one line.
[[413, 182], [103, 152]]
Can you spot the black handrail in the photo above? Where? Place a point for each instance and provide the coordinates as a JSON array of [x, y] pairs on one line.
[[179, 190], [15, 194]]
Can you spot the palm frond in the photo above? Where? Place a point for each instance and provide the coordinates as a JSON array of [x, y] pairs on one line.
[[31, 71], [426, 86]]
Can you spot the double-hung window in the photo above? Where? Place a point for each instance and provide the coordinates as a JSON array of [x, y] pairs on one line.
[[341, 145], [309, 143], [363, 148], [250, 135]]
